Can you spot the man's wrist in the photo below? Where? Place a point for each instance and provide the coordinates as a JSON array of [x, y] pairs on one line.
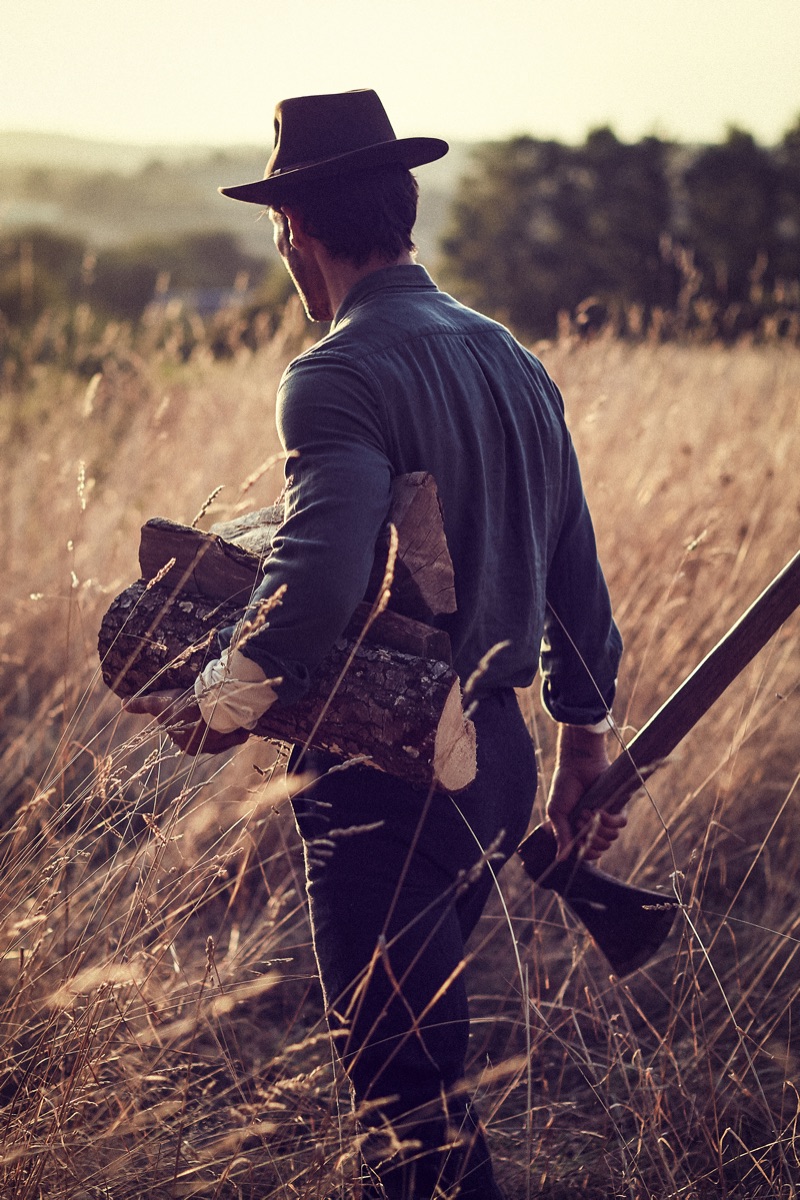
[[233, 692], [581, 742]]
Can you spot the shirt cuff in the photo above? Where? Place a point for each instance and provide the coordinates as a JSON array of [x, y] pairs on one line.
[[233, 692], [604, 726]]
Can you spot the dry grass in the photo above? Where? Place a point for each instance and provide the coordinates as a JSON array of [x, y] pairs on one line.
[[163, 1034]]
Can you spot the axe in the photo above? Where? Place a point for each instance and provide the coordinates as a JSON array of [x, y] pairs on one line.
[[629, 923]]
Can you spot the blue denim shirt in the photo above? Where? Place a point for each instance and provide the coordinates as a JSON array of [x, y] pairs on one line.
[[406, 380]]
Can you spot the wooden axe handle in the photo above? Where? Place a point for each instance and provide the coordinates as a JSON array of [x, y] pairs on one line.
[[695, 696]]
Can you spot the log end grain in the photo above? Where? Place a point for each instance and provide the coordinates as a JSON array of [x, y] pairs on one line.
[[455, 751]]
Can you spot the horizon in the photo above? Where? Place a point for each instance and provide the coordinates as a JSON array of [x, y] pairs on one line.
[[200, 147]]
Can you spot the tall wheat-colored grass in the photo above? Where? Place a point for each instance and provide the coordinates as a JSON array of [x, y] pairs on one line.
[[162, 1029]]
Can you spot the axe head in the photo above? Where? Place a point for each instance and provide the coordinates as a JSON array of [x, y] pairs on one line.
[[628, 923]]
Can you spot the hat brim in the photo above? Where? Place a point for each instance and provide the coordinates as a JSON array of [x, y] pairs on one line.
[[409, 152]]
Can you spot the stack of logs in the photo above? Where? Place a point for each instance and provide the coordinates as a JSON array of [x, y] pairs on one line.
[[386, 692]]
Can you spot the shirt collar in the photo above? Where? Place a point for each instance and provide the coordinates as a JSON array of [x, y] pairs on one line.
[[388, 279]]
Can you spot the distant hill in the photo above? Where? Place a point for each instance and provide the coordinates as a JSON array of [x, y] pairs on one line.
[[110, 193], [21, 148]]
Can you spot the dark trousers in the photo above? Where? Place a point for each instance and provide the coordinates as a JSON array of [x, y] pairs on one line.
[[395, 887]]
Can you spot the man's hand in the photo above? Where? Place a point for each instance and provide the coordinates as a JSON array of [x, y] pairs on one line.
[[182, 720], [581, 759]]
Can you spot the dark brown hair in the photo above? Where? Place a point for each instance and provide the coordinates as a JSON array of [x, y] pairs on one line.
[[360, 214]]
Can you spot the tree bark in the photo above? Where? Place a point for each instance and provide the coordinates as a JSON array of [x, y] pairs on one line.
[[401, 712], [386, 692]]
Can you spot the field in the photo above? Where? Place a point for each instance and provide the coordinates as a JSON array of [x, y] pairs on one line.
[[163, 1034]]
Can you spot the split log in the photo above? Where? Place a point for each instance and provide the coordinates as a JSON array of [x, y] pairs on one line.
[[402, 712], [424, 582], [252, 531], [398, 702], [226, 564], [202, 564]]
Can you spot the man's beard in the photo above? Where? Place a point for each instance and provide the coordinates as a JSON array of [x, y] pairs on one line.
[[310, 286]]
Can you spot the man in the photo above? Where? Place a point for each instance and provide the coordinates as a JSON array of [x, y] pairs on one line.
[[407, 380]]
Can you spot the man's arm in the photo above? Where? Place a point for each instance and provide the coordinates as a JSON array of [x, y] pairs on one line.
[[338, 491], [338, 494], [580, 658], [582, 647]]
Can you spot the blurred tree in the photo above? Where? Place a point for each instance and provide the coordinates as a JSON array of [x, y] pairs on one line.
[[39, 184], [787, 248], [128, 278], [537, 227], [627, 213], [38, 269], [507, 249], [733, 209], [125, 280], [101, 193]]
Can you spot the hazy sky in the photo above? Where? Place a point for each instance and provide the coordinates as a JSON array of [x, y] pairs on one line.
[[211, 70]]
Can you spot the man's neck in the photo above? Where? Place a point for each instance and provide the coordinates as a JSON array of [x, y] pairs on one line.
[[340, 275]]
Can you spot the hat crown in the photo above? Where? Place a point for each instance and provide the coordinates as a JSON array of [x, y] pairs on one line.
[[319, 137], [309, 129]]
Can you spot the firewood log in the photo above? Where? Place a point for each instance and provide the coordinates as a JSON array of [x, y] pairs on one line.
[[226, 564], [402, 712], [386, 691]]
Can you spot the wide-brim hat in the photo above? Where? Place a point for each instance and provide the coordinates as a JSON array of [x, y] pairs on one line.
[[317, 137]]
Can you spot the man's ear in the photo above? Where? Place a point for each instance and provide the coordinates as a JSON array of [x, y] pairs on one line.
[[298, 233]]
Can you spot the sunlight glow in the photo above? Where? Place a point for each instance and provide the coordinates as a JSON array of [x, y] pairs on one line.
[[192, 71]]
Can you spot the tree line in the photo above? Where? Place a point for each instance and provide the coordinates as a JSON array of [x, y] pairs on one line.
[[42, 268], [647, 235], [634, 232]]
